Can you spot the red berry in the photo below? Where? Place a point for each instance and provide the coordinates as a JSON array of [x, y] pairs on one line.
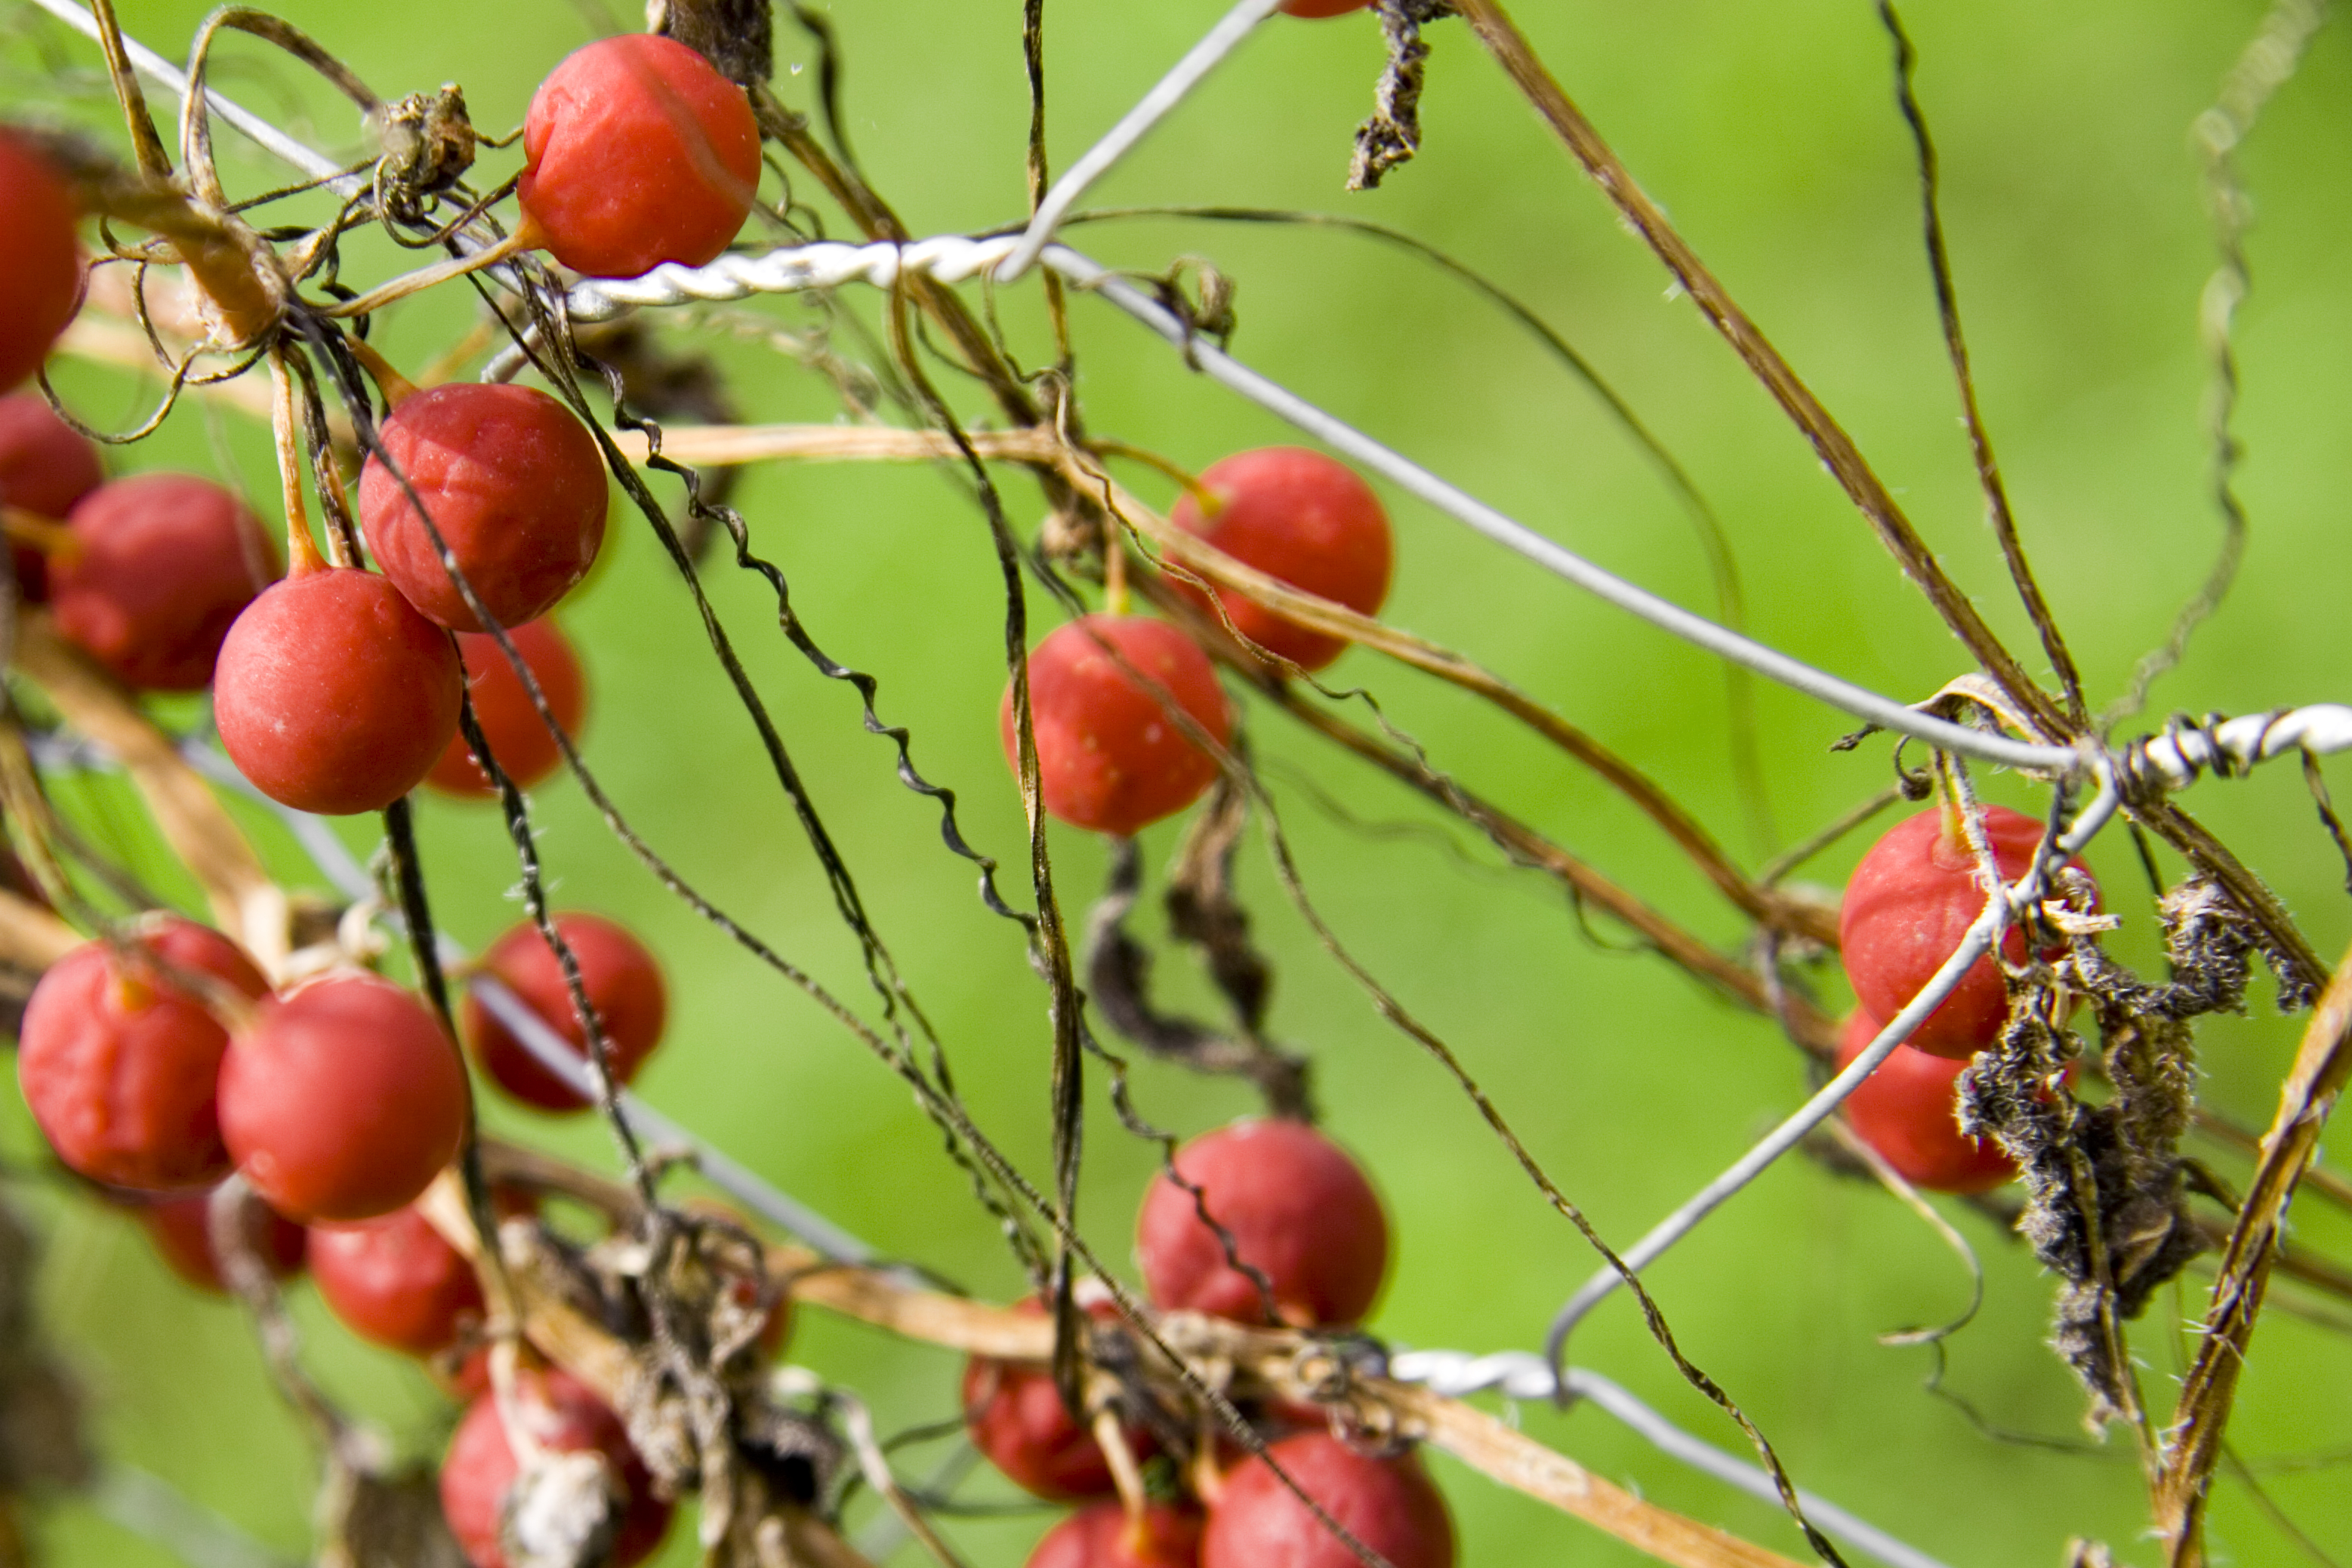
[[1016, 1417], [333, 695], [1298, 1209], [1322, 7], [344, 1100], [45, 465], [394, 1282], [1390, 1505], [40, 265], [160, 566], [181, 1229], [637, 151], [119, 1062], [517, 735], [1910, 901], [514, 483], [564, 1417], [1102, 1536], [623, 980], [1299, 516], [1108, 756], [1908, 1109]]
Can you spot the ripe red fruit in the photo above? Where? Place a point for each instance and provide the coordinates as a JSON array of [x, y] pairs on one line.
[[1301, 517], [637, 151], [344, 1100], [1908, 1110], [161, 564], [623, 980], [1389, 1504], [561, 1415], [1102, 1536], [1298, 1209], [45, 465], [1108, 756], [333, 695], [394, 1282], [514, 483], [181, 1229], [40, 267], [1016, 1417], [1322, 7], [517, 735], [1910, 901], [118, 1061]]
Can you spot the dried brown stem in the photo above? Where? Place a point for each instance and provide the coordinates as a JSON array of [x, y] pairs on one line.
[[1810, 1029], [32, 937], [2194, 1443], [1511, 49], [1955, 346], [200, 832]]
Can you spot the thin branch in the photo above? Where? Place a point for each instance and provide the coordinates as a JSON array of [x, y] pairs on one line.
[[2266, 64], [1517, 57], [1947, 308], [2193, 1446]]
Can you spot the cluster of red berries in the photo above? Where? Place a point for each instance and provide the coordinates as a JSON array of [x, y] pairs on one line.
[[338, 689], [154, 575], [1912, 898], [157, 1064], [1110, 757], [1311, 1238], [161, 1061]]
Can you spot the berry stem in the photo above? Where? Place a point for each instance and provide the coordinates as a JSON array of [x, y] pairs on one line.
[[525, 237], [302, 554], [51, 538], [396, 388], [1125, 1473], [1114, 555]]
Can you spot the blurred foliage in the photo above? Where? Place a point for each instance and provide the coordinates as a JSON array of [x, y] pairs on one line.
[[2080, 244]]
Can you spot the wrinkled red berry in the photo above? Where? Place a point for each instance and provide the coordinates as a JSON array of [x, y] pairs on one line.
[[1108, 756], [1297, 1208], [1016, 1417], [623, 983], [1304, 518], [1102, 1536], [40, 264], [637, 151], [563, 1416], [513, 482], [518, 736], [344, 1100], [393, 1281], [333, 695], [1389, 1504], [119, 1060], [45, 465], [1909, 902], [1908, 1109], [160, 566], [182, 1230]]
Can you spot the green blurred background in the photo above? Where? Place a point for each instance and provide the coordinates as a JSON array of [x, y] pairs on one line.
[[2080, 244]]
